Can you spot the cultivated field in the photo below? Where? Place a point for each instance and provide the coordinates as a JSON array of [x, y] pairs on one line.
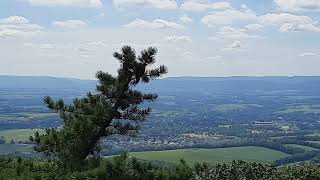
[[306, 148], [213, 156], [19, 134]]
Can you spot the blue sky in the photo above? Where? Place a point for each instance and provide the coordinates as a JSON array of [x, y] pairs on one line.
[[75, 38]]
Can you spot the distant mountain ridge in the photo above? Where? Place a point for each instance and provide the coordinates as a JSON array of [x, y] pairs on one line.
[[21, 82], [191, 83]]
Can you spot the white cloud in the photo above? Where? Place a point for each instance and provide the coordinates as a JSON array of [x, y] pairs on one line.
[[213, 58], [308, 54], [186, 19], [187, 54], [85, 49], [14, 20], [17, 26], [70, 24], [155, 24], [254, 27], [243, 6], [91, 46], [97, 44], [236, 45], [294, 27], [282, 18], [228, 17], [298, 5], [228, 32], [289, 22], [45, 46], [199, 6], [159, 4], [68, 3], [178, 39]]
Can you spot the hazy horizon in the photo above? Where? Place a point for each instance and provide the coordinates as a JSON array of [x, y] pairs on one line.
[[166, 77]]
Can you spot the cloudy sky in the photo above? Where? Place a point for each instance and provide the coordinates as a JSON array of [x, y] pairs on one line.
[[75, 38]]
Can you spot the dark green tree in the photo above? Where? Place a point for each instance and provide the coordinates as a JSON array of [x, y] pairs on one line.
[[115, 108]]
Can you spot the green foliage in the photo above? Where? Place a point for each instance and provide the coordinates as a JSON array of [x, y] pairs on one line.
[[114, 109], [125, 168], [235, 170], [303, 172]]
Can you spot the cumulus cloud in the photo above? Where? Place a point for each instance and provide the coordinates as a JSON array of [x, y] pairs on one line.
[[308, 54], [159, 4], [91, 46], [70, 24], [236, 45], [187, 54], [17, 26], [294, 27], [14, 20], [214, 58], [45, 46], [298, 5], [178, 39], [67, 3], [243, 6], [155, 24], [97, 44], [199, 6], [186, 19], [228, 32], [228, 17], [254, 27], [289, 22], [282, 18], [286, 22]]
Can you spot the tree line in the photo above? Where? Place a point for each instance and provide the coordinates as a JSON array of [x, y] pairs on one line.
[[125, 168]]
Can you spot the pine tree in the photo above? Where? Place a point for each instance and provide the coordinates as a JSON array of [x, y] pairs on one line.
[[113, 109]]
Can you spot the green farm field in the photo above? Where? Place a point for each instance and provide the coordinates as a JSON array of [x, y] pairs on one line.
[[213, 156], [26, 116], [19, 134], [306, 148]]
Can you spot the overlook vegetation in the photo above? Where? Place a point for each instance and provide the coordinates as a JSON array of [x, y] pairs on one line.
[[124, 168]]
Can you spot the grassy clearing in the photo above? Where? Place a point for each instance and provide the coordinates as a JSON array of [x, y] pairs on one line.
[[19, 134], [214, 156], [306, 148]]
